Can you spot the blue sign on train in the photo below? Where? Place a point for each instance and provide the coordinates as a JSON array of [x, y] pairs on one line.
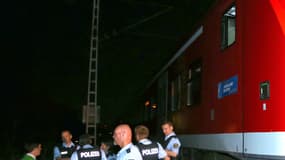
[[228, 87]]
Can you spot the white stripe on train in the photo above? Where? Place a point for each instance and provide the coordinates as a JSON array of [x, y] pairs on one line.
[[256, 143]]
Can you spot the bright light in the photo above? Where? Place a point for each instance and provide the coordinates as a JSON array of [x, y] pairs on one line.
[[231, 12], [154, 106], [147, 103]]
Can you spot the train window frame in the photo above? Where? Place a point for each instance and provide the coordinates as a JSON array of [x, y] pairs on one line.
[[194, 84], [229, 16]]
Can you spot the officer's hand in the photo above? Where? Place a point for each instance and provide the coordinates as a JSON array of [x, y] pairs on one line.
[[167, 158], [170, 153]]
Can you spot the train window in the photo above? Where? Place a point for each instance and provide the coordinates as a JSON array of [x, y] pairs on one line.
[[264, 90], [175, 93], [189, 96], [194, 84], [228, 27]]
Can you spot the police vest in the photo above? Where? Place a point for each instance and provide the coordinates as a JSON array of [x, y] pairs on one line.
[[149, 151], [165, 144], [89, 154], [66, 152]]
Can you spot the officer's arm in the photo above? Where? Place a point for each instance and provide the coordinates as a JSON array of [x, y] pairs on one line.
[[56, 153], [161, 152], [74, 156], [173, 151], [103, 155]]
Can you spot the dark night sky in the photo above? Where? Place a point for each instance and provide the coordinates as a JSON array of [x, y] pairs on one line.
[[46, 50]]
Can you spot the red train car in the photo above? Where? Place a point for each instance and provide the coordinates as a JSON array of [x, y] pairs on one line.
[[224, 89]]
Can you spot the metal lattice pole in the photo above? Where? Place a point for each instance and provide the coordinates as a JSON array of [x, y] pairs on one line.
[[91, 108]]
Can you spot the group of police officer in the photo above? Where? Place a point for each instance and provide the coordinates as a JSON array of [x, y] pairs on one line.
[[145, 149]]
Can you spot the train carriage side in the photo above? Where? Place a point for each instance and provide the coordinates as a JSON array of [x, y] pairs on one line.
[[210, 115], [224, 87], [263, 83], [241, 109]]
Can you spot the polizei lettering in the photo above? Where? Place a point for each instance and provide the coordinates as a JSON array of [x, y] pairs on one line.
[[152, 151], [89, 154]]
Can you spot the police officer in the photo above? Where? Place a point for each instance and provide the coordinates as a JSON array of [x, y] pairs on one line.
[[64, 151], [123, 137], [149, 150], [87, 152], [171, 142], [108, 147]]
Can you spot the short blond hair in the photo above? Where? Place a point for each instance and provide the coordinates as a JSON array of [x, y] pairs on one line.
[[142, 131]]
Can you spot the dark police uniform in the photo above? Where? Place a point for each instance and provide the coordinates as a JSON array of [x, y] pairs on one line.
[[64, 151], [88, 152], [151, 150]]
